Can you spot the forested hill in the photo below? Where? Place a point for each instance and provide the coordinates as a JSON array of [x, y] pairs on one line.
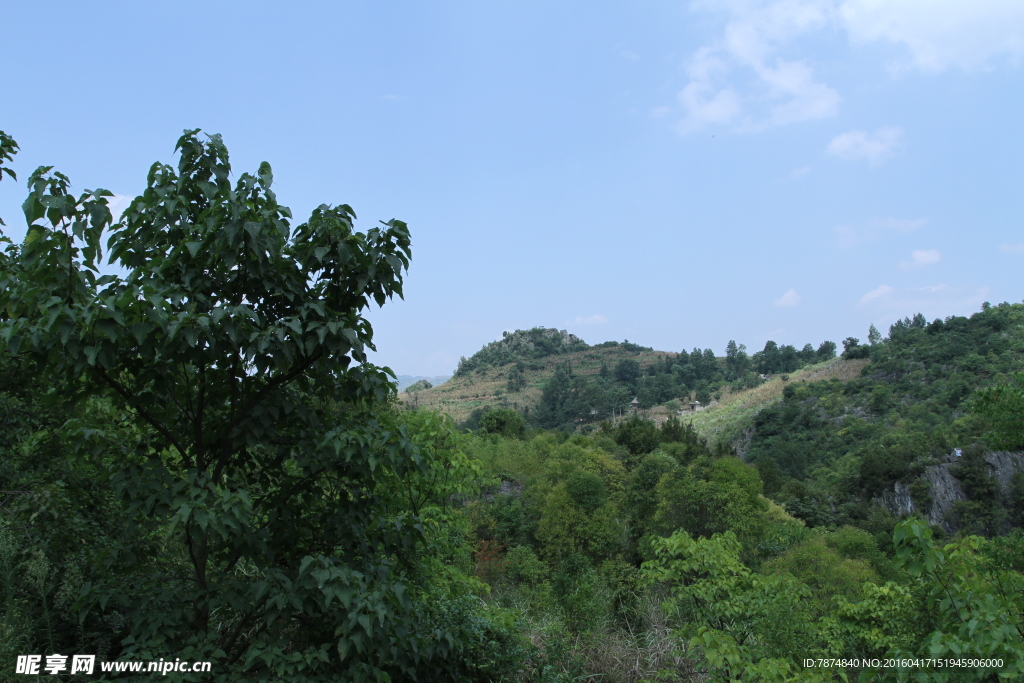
[[876, 507], [891, 435], [513, 371], [828, 435], [532, 344], [557, 380]]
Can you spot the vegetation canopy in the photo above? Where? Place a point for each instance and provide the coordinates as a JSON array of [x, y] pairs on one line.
[[270, 504], [197, 462]]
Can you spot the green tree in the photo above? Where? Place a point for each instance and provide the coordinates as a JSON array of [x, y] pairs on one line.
[[641, 500], [638, 435], [517, 377], [505, 421], [852, 348], [627, 371], [739, 364], [824, 570], [768, 359], [826, 350], [567, 527], [8, 148], [675, 430], [874, 336], [789, 359], [1002, 406], [258, 450], [744, 626], [587, 490], [974, 591], [710, 498], [732, 353], [557, 399]]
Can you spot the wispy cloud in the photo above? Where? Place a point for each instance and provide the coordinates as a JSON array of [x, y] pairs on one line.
[[704, 105], [874, 147], [876, 229], [797, 172], [876, 293], [789, 299], [748, 78], [1012, 248], [937, 34], [769, 90], [921, 258], [596, 319]]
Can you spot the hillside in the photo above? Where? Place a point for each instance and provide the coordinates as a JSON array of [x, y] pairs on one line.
[[483, 380], [854, 473], [557, 379], [832, 438], [734, 412]]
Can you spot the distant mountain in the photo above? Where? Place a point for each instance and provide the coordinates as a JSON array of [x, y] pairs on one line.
[[406, 380]]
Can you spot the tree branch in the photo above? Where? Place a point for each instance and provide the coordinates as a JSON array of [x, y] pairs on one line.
[[166, 433], [273, 383]]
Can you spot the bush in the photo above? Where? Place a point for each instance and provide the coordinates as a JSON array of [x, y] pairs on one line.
[[825, 570], [582, 595], [523, 566], [638, 435], [587, 490], [505, 421]]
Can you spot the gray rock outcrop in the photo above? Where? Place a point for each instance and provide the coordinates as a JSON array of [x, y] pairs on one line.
[[945, 489]]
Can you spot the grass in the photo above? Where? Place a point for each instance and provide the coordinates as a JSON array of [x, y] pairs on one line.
[[727, 420], [612, 652]]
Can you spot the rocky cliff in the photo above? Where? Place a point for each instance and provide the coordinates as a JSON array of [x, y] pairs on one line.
[[944, 489]]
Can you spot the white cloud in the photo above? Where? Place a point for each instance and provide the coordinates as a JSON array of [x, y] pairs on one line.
[[876, 293], [596, 319], [785, 90], [857, 144], [704, 107], [789, 299], [921, 258], [1012, 248], [938, 34], [798, 96], [746, 77], [876, 229]]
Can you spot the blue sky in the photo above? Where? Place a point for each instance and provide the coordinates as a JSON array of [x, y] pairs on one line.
[[675, 173]]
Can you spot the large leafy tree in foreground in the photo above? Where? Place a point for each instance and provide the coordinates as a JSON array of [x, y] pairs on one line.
[[254, 461]]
